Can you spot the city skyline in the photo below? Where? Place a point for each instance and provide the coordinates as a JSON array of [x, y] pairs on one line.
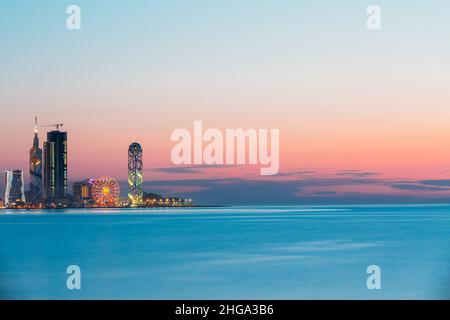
[[49, 180], [302, 186]]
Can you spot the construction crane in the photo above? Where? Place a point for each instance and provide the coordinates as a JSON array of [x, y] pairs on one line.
[[57, 125]]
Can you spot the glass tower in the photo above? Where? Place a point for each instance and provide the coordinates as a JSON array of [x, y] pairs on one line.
[[55, 166]]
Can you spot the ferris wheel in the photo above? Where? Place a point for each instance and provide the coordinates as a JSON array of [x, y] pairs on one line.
[[105, 191]]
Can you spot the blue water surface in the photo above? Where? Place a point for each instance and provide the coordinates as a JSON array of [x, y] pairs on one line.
[[270, 252]]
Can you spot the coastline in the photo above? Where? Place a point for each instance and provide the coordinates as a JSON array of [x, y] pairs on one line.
[[115, 208]]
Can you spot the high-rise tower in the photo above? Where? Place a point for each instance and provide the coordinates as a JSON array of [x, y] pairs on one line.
[[14, 188], [55, 166], [35, 169], [135, 177]]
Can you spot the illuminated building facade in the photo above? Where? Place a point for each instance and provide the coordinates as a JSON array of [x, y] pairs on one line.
[[35, 195], [55, 166], [82, 191], [14, 194], [135, 176]]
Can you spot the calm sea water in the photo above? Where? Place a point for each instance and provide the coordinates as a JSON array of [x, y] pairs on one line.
[[286, 252]]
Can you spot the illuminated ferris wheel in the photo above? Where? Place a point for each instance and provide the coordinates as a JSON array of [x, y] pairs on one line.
[[105, 191]]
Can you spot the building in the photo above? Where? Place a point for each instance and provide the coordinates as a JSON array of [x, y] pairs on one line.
[[14, 194], [55, 166], [82, 191], [135, 176], [35, 195]]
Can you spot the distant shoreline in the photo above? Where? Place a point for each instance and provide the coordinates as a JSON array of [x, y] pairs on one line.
[[430, 204], [115, 208]]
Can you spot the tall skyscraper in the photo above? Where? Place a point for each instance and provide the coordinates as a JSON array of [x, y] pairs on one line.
[[35, 169], [14, 193], [135, 177], [55, 166]]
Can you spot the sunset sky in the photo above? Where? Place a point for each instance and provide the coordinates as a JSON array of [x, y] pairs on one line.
[[363, 115]]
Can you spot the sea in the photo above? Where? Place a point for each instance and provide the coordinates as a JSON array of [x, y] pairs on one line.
[[245, 252]]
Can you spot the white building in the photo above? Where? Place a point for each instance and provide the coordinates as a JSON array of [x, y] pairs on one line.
[[14, 188]]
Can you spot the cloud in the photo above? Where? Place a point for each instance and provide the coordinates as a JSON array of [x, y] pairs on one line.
[[324, 193], [297, 173], [442, 183], [412, 186], [197, 169], [314, 189], [177, 170], [356, 173]]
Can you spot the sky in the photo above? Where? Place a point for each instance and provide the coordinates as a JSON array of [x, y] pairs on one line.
[[363, 114]]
